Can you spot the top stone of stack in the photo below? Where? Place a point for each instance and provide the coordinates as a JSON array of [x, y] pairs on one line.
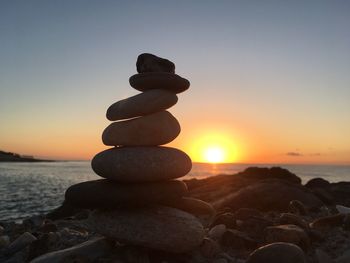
[[157, 73]]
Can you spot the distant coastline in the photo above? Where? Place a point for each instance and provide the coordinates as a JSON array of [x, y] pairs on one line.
[[15, 157]]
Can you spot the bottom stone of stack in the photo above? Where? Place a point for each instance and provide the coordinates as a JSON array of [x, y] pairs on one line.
[[156, 227], [107, 194]]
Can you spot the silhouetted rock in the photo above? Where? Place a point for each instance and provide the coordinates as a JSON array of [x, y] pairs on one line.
[[150, 63], [317, 183], [154, 129], [269, 195], [142, 104], [141, 164], [270, 173], [106, 194], [159, 80]]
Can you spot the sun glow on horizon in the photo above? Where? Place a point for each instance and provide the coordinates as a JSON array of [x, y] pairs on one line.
[[214, 148], [214, 155]]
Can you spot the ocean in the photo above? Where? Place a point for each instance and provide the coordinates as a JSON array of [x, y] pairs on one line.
[[28, 189]]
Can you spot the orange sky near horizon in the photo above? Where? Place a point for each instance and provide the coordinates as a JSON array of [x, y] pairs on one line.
[[269, 81]]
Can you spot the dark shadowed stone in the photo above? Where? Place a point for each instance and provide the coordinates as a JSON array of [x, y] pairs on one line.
[[227, 219], [262, 173], [160, 228], [245, 213], [150, 130], [277, 253], [191, 205], [289, 234], [145, 103], [109, 194], [141, 164], [235, 239], [269, 195], [328, 221], [88, 251], [297, 207], [150, 63], [317, 183], [159, 80]]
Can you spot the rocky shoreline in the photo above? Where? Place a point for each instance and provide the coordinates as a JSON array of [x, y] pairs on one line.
[[261, 215]]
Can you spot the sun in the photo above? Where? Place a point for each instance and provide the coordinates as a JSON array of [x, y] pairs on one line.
[[214, 155], [214, 147]]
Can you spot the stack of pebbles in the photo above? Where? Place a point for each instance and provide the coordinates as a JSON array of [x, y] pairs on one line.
[[139, 202]]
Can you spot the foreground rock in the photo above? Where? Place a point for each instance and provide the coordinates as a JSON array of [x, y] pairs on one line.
[[152, 101], [108, 194], [85, 252], [141, 164], [154, 129], [277, 253], [160, 228]]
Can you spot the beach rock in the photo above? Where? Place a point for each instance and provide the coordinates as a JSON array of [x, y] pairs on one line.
[[86, 252], [141, 164], [235, 239], [277, 253], [159, 80], [142, 104], [209, 248], [160, 228], [150, 63], [48, 227], [345, 258], [289, 234], [328, 221], [262, 173], [228, 219], [20, 242], [254, 226], [269, 195], [288, 218], [191, 205], [4, 241], [150, 130], [297, 207], [104, 193], [217, 231], [63, 211], [245, 213], [317, 183], [343, 209], [322, 257]]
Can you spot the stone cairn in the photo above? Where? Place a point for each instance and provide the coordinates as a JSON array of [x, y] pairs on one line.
[[139, 202]]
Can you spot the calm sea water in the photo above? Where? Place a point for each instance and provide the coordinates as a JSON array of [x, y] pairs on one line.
[[32, 188]]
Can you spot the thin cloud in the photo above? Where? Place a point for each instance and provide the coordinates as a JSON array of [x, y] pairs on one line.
[[294, 154]]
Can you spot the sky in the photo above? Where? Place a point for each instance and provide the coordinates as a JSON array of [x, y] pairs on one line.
[[270, 80]]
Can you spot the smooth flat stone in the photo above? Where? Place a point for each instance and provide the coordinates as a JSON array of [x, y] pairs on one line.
[[277, 253], [159, 80], [141, 164], [150, 63], [160, 228], [191, 205], [105, 193], [150, 130], [145, 103]]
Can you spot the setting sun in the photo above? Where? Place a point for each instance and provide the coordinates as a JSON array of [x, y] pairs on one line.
[[214, 147], [214, 155]]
